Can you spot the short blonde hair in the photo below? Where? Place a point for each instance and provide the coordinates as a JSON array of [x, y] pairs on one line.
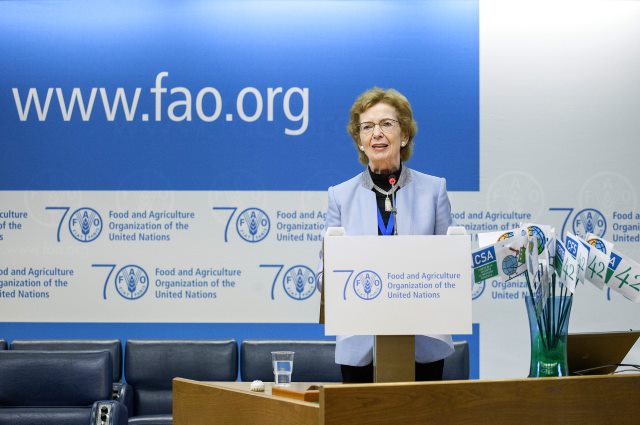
[[390, 97]]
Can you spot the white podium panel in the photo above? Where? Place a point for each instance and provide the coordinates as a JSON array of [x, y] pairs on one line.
[[400, 285]]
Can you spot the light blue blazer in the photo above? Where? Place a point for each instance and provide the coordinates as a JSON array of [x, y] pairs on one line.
[[423, 209]]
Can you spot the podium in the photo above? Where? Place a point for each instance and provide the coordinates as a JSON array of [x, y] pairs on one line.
[[395, 288], [580, 400]]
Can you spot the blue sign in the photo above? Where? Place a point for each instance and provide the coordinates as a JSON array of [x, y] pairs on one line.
[[572, 246], [559, 250], [222, 95], [484, 256], [614, 261]]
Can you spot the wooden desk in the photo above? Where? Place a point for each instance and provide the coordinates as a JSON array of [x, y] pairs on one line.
[[233, 403], [575, 400]]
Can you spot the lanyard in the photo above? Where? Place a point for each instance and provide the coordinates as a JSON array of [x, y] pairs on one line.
[[388, 229]]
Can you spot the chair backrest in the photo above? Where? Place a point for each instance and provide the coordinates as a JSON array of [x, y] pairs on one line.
[[314, 361], [150, 367], [3, 344], [113, 346], [54, 378], [456, 366]]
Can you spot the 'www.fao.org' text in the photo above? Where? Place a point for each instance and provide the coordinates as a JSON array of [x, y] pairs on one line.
[[176, 104]]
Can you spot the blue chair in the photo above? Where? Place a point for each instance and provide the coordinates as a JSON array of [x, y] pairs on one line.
[[57, 387], [121, 392], [314, 361], [150, 367], [113, 346], [456, 366]]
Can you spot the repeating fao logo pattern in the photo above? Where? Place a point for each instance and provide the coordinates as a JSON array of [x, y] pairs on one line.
[[85, 224], [589, 220], [132, 282], [299, 282], [253, 225]]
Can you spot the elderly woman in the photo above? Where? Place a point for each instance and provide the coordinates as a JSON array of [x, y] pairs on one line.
[[388, 198]]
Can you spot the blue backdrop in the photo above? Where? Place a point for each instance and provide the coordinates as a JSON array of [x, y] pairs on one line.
[[335, 50], [228, 95]]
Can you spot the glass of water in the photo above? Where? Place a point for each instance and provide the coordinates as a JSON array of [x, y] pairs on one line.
[[282, 367]]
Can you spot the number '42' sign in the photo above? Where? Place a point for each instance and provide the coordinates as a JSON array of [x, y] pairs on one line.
[[623, 276]]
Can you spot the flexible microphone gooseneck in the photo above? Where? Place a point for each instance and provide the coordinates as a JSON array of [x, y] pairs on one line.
[[394, 211]]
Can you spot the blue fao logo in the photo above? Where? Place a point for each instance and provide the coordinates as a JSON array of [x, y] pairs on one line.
[[589, 221], [367, 285], [299, 282], [477, 288], [253, 225], [85, 224], [132, 282]]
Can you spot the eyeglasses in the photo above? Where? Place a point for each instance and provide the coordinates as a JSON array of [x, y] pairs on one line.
[[387, 125]]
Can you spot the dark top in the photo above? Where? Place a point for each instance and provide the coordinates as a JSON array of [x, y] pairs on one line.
[[382, 181]]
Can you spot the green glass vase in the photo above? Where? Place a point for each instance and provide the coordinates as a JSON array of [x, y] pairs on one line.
[[548, 326]]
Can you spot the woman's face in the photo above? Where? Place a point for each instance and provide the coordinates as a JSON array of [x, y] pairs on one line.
[[381, 137]]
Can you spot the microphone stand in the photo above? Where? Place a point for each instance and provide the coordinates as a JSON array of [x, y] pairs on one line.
[[394, 211]]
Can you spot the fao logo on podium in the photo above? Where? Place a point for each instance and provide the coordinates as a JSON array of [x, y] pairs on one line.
[[132, 282], [367, 285], [85, 224], [253, 225]]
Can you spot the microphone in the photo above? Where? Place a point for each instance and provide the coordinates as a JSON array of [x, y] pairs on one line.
[[394, 211]]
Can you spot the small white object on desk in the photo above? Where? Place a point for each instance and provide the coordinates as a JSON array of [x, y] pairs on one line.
[[456, 230], [335, 231], [257, 386]]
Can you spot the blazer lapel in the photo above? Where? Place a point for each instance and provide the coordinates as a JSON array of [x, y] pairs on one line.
[[404, 205], [368, 207]]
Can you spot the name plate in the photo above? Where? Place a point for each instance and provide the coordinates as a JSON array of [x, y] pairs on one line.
[[398, 285]]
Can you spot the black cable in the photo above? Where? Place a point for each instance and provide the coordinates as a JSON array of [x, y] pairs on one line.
[[636, 370], [583, 371]]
